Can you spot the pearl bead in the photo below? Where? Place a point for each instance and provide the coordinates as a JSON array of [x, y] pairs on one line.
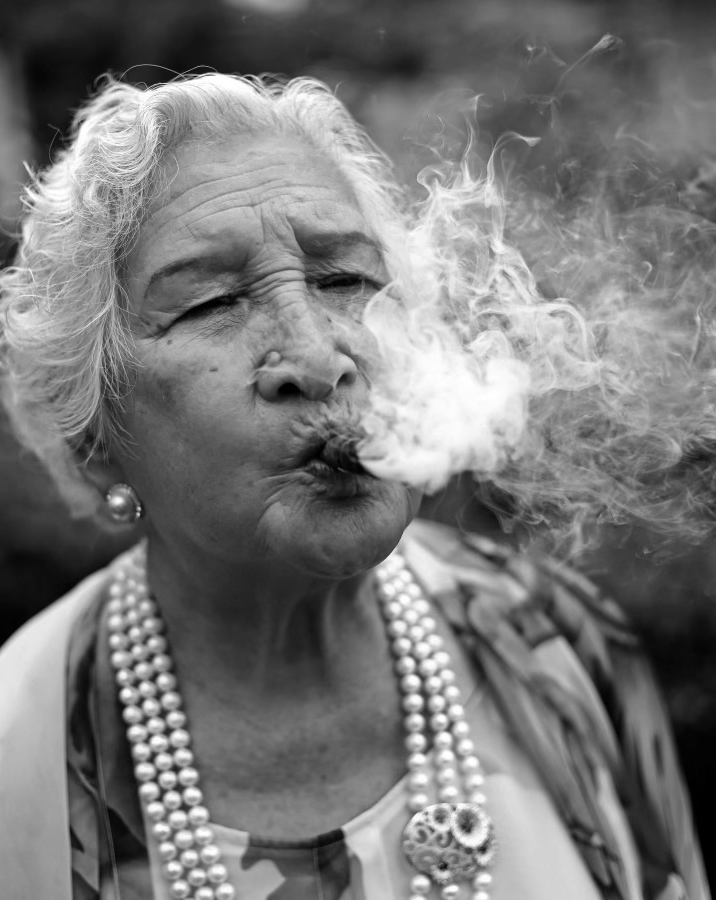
[[417, 760], [413, 703], [416, 743], [410, 684], [188, 776], [448, 794], [151, 624], [455, 711], [156, 725], [429, 624], [151, 707], [436, 642], [416, 802], [460, 729], [406, 665], [439, 722], [477, 797], [132, 715], [420, 884], [209, 854], [156, 643], [124, 677], [443, 740], [129, 696], [433, 684], [177, 819], [446, 775], [448, 676], [224, 891], [474, 781], [162, 831], [198, 815], [189, 859], [183, 757], [484, 879], [197, 877], [156, 810], [145, 771], [179, 738], [464, 747], [203, 835], [416, 633], [147, 689], [421, 650], [402, 646], [415, 722], [167, 851], [418, 781], [217, 873], [427, 667], [451, 693], [442, 658], [180, 889], [167, 780], [176, 719], [192, 796], [173, 869], [469, 764], [162, 662], [172, 799], [397, 628], [449, 892], [159, 743], [118, 641], [444, 758], [480, 895], [115, 622], [163, 761], [171, 700], [136, 634], [144, 671], [149, 791], [141, 752], [184, 838]]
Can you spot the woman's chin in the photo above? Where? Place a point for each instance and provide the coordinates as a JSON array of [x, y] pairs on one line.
[[344, 539]]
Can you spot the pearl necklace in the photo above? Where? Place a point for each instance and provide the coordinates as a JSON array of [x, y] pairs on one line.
[[448, 842]]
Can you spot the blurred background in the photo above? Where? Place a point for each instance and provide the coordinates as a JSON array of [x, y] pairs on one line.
[[405, 68]]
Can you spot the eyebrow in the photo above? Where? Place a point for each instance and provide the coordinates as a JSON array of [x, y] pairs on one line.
[[200, 265], [333, 243]]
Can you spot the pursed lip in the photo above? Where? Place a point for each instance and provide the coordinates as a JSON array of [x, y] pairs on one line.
[[336, 451]]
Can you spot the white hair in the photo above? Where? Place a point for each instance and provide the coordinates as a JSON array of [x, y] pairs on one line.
[[65, 346]]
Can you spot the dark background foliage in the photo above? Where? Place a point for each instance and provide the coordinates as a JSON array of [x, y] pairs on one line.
[[401, 66]]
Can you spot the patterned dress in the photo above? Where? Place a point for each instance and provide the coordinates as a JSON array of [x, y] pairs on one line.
[[581, 774]]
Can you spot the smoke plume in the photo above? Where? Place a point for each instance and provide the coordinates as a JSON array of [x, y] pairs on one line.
[[551, 328]]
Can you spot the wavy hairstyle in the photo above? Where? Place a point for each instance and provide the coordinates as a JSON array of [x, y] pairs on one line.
[[66, 349]]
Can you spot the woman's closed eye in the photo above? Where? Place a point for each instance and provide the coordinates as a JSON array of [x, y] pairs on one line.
[[349, 282], [213, 305]]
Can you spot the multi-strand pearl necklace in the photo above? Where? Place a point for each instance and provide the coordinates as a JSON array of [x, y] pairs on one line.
[[448, 842]]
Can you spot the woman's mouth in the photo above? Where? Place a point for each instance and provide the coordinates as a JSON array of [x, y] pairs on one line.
[[335, 462]]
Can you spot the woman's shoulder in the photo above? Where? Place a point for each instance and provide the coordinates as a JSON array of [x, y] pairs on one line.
[[540, 594]]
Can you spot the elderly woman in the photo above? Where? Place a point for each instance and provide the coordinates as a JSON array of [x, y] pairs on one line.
[[265, 698]]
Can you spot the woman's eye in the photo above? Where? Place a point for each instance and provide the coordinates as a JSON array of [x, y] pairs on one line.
[[349, 281], [225, 301]]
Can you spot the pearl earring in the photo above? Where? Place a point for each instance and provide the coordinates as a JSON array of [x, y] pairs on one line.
[[124, 506]]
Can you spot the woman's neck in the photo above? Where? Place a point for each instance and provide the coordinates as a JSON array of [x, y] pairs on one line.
[[266, 633]]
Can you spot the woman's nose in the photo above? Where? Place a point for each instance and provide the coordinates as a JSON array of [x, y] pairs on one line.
[[310, 376]]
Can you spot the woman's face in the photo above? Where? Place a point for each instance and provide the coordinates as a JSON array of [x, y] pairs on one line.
[[245, 292]]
